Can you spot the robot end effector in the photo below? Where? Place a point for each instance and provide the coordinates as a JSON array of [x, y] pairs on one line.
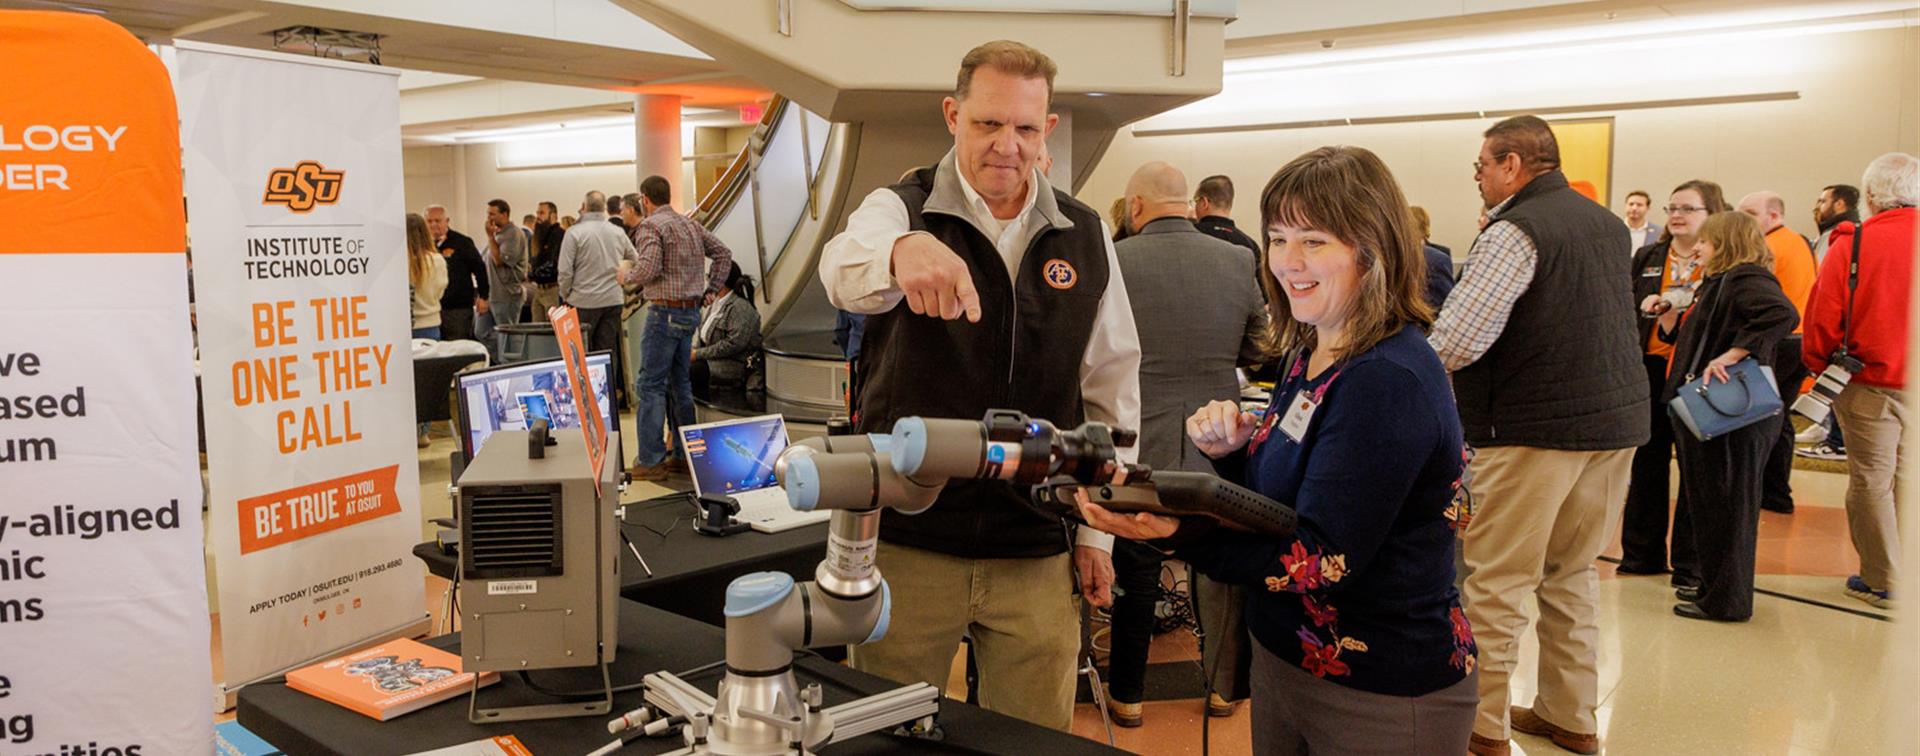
[[1009, 446], [907, 469]]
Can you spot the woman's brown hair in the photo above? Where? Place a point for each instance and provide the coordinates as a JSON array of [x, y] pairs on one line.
[[1736, 239], [1349, 193], [419, 245], [1711, 198]]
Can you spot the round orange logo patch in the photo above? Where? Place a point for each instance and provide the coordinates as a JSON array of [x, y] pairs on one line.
[[1060, 274]]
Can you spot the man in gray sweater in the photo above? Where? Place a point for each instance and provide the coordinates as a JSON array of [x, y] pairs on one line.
[[506, 270], [590, 258]]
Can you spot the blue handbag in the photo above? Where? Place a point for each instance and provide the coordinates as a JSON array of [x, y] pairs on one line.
[[1749, 395], [1709, 411]]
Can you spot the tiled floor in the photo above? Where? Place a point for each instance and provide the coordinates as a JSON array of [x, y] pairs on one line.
[[1800, 678]]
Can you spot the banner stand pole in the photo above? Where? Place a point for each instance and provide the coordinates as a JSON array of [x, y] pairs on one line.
[[225, 695]]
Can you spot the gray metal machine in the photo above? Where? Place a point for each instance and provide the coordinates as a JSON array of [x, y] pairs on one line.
[[539, 565]]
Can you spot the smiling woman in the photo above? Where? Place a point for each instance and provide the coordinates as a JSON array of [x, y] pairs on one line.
[[1331, 218], [1355, 614]]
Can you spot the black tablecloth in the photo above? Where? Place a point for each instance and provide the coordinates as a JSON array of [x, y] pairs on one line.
[[650, 640], [690, 571]]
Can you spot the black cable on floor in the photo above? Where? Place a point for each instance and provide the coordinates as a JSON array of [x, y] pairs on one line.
[[1800, 599], [1206, 675]]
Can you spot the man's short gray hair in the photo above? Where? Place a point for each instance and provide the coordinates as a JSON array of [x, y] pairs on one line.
[[430, 208], [596, 202], [1892, 180]]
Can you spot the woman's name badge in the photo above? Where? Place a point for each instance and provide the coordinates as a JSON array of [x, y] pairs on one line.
[[1299, 415]]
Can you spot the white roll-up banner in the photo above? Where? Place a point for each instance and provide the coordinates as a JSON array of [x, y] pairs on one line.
[[297, 219], [103, 602]]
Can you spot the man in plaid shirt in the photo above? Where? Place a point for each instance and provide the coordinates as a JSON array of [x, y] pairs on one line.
[[676, 282]]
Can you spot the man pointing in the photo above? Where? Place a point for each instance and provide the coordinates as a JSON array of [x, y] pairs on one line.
[[1013, 299]]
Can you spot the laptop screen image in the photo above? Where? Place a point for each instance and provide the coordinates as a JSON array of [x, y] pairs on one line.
[[736, 455]]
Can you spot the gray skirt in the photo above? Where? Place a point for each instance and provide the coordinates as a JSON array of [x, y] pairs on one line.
[[1297, 713]]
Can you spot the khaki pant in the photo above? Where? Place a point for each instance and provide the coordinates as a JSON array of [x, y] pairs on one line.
[[1874, 421], [1019, 614], [1543, 517], [544, 298]]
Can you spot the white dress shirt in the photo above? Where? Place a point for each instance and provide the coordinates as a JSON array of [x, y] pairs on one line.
[[1646, 234], [856, 267]]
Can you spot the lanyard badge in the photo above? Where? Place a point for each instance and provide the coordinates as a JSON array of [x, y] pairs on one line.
[[1298, 416]]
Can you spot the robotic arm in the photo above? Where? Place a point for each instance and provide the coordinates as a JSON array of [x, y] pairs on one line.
[[758, 708], [1011, 447]]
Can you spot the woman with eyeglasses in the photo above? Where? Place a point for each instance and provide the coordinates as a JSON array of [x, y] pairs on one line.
[[1665, 274], [1739, 314]]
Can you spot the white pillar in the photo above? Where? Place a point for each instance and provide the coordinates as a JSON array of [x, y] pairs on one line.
[[656, 148], [460, 212]]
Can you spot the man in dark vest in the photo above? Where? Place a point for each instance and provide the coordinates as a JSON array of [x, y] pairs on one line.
[[1540, 336], [1013, 299]]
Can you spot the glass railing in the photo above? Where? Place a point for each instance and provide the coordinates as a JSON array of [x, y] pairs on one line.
[[774, 193]]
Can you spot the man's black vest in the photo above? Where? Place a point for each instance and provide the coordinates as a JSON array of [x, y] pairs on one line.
[[1024, 354], [1566, 371]]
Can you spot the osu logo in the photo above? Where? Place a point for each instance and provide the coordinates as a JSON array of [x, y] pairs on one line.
[[303, 186], [1060, 274]]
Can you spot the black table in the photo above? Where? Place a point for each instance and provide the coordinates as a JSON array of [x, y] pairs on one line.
[[650, 640], [690, 571]]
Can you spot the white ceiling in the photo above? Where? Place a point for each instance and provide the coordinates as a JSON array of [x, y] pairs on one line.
[[582, 43], [489, 64], [1261, 18], [1280, 27]]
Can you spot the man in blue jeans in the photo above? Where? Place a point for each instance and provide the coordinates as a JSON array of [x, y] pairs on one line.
[[675, 277]]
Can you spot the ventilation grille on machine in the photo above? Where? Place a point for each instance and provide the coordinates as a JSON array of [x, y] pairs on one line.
[[511, 532]]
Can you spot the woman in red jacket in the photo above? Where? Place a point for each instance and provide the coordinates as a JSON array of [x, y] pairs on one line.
[[1875, 303]]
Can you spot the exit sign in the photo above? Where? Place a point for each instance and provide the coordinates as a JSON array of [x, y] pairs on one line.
[[751, 113]]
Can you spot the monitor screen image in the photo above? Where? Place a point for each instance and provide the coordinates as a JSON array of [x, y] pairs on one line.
[[734, 456], [509, 397]]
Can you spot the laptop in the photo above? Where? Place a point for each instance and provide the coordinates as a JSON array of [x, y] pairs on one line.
[[735, 458]]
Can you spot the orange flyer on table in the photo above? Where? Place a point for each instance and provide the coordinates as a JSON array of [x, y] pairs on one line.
[[388, 680], [500, 745]]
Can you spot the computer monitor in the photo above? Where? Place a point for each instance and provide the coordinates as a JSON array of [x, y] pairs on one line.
[[734, 456], [506, 396]]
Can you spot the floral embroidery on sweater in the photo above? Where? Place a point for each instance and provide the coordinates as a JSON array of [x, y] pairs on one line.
[[1464, 650], [1304, 570], [1460, 511]]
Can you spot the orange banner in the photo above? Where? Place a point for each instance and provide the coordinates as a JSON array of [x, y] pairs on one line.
[[296, 513], [96, 173]]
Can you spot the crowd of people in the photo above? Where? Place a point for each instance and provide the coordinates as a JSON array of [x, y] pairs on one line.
[[700, 323], [1454, 445]]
